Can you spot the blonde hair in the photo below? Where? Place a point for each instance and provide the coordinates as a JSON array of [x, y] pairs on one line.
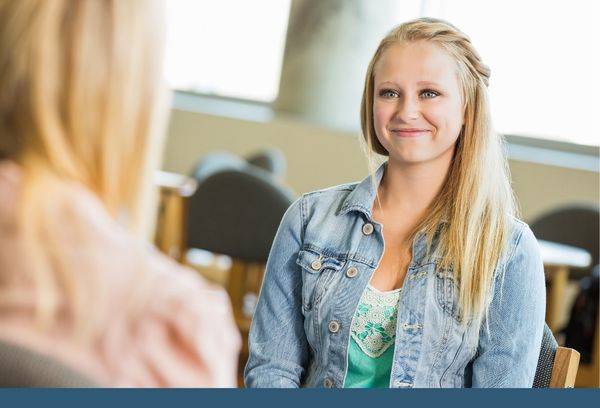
[[476, 200], [81, 102]]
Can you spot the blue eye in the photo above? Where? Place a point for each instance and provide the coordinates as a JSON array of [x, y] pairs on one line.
[[429, 94], [388, 93]]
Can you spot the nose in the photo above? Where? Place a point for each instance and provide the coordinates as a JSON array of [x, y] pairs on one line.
[[407, 109]]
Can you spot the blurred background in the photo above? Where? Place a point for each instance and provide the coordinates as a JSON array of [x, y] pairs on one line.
[[267, 94]]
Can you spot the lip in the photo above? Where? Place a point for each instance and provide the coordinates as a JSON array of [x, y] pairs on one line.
[[409, 132]]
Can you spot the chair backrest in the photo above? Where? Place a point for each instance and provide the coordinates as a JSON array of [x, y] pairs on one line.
[[557, 366], [215, 162], [270, 160], [21, 367], [236, 212], [575, 225]]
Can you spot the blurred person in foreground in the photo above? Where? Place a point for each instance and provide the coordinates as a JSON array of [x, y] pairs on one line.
[[82, 114]]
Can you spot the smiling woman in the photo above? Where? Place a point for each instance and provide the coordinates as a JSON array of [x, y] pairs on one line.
[[418, 108], [420, 275]]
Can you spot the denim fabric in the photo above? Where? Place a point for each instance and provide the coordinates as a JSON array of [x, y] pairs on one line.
[[301, 328]]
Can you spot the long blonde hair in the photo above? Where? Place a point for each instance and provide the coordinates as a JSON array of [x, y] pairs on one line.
[[476, 199], [82, 101]]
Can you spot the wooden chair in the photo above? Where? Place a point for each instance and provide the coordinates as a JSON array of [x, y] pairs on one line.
[[574, 225], [557, 366], [243, 286], [175, 189], [589, 374], [236, 212]]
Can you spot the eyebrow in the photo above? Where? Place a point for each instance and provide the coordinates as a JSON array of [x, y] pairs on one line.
[[429, 83], [421, 83]]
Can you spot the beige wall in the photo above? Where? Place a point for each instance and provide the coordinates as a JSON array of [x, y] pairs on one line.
[[317, 158], [540, 188]]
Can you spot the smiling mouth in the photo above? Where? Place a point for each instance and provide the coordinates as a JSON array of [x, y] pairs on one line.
[[409, 132]]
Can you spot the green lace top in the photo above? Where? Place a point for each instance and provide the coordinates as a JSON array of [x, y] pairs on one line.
[[372, 336]]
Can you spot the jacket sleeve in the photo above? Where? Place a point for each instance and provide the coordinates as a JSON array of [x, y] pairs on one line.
[[509, 344], [277, 341]]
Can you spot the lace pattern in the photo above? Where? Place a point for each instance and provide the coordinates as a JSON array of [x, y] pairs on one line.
[[374, 323]]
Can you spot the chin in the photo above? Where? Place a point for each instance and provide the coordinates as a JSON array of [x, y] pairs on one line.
[[409, 157]]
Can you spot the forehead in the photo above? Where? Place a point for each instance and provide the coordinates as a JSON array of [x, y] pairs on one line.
[[416, 61]]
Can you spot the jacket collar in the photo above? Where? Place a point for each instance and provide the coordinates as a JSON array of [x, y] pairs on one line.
[[362, 197]]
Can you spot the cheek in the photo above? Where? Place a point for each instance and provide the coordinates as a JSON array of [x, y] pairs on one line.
[[447, 119], [381, 115]]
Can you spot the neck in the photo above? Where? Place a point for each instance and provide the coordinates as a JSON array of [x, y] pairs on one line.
[[409, 189]]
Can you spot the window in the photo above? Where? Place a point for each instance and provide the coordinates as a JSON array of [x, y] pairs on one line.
[[544, 59], [230, 48]]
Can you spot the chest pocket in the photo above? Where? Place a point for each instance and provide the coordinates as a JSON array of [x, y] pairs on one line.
[[446, 291], [318, 272]]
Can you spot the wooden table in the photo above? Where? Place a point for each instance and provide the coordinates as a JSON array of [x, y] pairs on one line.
[[170, 227], [558, 260]]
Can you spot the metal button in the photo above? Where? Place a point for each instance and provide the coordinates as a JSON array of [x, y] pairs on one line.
[[402, 384], [328, 383], [333, 326], [367, 229], [316, 265], [351, 272]]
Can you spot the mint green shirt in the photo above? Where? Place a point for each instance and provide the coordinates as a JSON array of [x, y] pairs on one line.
[[372, 336]]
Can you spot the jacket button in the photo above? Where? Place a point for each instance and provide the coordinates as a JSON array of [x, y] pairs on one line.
[[402, 384], [333, 326], [316, 265], [367, 229], [327, 383], [351, 272]]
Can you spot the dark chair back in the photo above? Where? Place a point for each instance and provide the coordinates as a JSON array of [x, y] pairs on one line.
[[236, 212], [215, 162], [270, 160], [575, 225], [21, 367]]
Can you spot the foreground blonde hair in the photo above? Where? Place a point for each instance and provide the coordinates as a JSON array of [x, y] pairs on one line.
[[476, 199], [81, 102]]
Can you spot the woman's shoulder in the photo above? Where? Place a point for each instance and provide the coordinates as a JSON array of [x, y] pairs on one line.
[[318, 206], [194, 335], [520, 235], [175, 322], [170, 319], [173, 283], [327, 198], [523, 252], [333, 191]]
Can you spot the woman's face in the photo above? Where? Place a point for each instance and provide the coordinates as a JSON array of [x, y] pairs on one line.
[[417, 105]]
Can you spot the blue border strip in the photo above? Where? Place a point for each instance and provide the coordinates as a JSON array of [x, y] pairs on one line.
[[242, 398]]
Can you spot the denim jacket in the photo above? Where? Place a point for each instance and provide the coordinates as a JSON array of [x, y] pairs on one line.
[[324, 255]]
